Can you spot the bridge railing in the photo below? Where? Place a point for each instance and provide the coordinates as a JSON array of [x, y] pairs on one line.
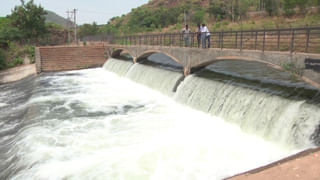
[[306, 39]]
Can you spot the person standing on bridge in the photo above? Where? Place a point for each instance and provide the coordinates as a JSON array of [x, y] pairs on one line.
[[186, 35], [205, 35], [198, 30]]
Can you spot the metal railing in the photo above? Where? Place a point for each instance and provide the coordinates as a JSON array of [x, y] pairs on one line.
[[306, 39]]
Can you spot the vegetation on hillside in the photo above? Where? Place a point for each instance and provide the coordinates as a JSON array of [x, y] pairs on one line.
[[169, 15], [24, 28], [52, 17]]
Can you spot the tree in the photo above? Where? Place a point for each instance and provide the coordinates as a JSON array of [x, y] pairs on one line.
[[88, 29], [197, 17], [302, 4], [29, 19], [288, 6], [261, 4], [243, 8], [271, 6], [217, 9], [8, 32]]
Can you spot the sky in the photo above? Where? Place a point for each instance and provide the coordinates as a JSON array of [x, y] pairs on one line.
[[89, 11]]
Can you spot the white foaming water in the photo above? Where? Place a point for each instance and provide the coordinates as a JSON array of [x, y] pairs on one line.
[[3, 104], [155, 78], [96, 125], [120, 67], [285, 121]]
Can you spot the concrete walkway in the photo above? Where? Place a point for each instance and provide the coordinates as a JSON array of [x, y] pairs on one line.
[[17, 73], [302, 166]]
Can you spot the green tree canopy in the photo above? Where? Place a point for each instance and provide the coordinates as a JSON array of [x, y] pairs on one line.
[[88, 29], [8, 32], [29, 19]]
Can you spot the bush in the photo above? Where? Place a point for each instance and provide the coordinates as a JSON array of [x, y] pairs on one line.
[[30, 51], [3, 63], [15, 61]]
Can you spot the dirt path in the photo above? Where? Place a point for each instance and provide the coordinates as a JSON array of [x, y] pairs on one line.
[[302, 166], [17, 73]]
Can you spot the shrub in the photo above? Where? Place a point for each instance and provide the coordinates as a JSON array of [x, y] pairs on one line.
[[15, 61], [3, 63], [30, 51]]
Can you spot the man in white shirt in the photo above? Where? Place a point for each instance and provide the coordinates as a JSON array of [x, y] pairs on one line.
[[205, 35], [186, 35]]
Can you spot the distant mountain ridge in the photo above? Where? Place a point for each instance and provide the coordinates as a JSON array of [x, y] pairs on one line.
[[55, 18]]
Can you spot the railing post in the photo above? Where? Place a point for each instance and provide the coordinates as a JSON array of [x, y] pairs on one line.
[[236, 39], [219, 40], [264, 39], [241, 39], [292, 41], [278, 39], [308, 39], [222, 33], [153, 39], [256, 41], [165, 39]]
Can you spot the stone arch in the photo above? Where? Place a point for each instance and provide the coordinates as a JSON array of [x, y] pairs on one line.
[[148, 53], [240, 58], [118, 51]]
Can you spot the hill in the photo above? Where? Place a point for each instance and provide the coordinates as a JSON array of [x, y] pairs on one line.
[[169, 15], [54, 18]]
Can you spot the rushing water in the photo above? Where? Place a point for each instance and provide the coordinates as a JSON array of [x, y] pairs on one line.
[[95, 124]]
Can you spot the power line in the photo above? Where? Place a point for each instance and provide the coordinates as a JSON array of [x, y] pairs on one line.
[[75, 25], [70, 15]]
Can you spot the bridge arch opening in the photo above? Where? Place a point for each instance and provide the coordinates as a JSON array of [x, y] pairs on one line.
[[238, 59], [160, 59], [245, 70], [122, 54]]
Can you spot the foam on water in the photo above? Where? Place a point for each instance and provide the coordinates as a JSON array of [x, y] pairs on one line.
[[93, 124]]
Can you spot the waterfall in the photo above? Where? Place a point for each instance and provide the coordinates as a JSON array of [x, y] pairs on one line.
[[291, 122], [117, 66], [282, 115], [162, 80]]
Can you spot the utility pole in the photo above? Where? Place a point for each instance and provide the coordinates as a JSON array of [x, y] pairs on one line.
[[75, 25], [185, 17], [68, 25]]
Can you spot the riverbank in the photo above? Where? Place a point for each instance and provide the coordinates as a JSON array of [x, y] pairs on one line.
[[17, 73], [304, 165]]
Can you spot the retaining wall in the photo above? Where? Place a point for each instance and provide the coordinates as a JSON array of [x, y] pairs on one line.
[[59, 58]]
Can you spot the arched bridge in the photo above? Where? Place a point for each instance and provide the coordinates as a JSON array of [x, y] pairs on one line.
[[196, 57], [296, 48]]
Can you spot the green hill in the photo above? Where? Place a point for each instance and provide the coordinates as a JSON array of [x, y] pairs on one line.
[[54, 18], [169, 15]]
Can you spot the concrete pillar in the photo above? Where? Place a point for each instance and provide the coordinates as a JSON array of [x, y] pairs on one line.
[[134, 60], [38, 59], [186, 71]]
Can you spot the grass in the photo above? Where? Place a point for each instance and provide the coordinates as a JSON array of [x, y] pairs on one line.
[[292, 69]]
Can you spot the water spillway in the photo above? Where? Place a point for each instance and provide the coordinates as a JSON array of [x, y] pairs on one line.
[[103, 124]]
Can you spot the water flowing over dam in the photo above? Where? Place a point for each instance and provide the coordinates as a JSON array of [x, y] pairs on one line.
[[146, 121]]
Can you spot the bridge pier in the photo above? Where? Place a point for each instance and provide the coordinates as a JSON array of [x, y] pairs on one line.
[[186, 71], [134, 60]]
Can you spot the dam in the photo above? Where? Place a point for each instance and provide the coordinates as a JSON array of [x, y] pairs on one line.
[[147, 121]]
